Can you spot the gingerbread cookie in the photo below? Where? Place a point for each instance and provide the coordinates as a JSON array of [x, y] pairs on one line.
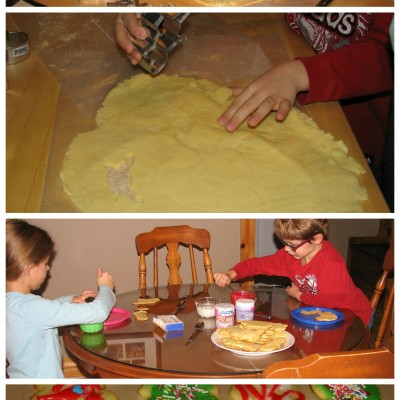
[[346, 392], [72, 392], [181, 392], [262, 392]]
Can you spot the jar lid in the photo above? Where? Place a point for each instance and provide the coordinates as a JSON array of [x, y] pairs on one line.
[[245, 303], [225, 307]]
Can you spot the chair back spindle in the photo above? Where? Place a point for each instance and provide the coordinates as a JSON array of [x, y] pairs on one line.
[[174, 238]]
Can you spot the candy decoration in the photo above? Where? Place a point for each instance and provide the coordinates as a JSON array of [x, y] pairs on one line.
[[72, 392], [179, 392], [347, 392], [265, 392]]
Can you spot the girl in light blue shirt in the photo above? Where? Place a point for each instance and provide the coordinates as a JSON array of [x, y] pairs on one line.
[[32, 344]]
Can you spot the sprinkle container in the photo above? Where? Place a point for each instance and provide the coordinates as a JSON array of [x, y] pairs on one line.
[[244, 309], [224, 315]]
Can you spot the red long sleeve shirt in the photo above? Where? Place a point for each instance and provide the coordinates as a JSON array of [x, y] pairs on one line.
[[353, 61], [324, 281]]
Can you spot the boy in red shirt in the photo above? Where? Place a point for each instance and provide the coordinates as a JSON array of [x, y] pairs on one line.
[[353, 63], [318, 272]]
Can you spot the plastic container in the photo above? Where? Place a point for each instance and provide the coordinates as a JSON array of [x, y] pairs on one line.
[[224, 315], [244, 309], [91, 328], [241, 294]]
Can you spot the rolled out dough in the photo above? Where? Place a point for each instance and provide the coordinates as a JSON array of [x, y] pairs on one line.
[[158, 148]]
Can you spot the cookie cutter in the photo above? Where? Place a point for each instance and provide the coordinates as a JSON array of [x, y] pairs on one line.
[[163, 36], [122, 3], [17, 47]]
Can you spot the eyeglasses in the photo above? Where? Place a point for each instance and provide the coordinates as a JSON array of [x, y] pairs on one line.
[[297, 246]]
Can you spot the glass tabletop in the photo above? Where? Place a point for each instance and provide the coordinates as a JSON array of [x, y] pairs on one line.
[[143, 345]]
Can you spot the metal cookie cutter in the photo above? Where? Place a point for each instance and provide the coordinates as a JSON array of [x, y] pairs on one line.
[[163, 37], [17, 47]]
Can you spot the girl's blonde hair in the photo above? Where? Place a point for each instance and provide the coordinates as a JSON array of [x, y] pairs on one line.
[[300, 229], [26, 244]]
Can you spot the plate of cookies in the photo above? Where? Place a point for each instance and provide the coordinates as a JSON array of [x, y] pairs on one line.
[[317, 315], [253, 338]]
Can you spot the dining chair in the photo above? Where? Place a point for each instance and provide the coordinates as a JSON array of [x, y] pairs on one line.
[[387, 268], [173, 238], [369, 363], [385, 333], [385, 328]]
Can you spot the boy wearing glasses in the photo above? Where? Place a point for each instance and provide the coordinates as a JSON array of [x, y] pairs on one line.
[[318, 272]]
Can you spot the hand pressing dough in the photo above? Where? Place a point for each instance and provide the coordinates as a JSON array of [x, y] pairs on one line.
[[158, 148]]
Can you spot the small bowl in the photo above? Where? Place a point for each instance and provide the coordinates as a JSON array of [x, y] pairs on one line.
[[91, 328], [206, 306], [241, 294]]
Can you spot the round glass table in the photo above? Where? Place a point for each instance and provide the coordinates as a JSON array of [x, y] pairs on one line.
[[140, 349]]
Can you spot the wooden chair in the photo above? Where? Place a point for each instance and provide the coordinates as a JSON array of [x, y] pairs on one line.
[[385, 334], [387, 267], [370, 363], [173, 237], [380, 287]]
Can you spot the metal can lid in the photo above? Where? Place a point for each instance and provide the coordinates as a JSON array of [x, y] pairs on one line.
[[225, 307]]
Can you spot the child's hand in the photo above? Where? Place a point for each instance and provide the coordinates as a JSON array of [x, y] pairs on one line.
[[275, 90], [222, 279], [127, 26], [104, 278], [294, 291], [85, 295]]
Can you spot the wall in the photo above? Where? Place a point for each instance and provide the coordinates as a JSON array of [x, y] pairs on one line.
[[84, 244], [339, 232]]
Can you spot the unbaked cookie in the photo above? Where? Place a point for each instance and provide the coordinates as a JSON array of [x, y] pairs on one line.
[[158, 148]]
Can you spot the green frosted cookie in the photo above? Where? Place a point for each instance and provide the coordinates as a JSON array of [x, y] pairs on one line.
[[346, 392], [181, 392]]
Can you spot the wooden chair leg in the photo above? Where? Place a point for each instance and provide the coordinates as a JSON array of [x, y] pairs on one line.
[[384, 321]]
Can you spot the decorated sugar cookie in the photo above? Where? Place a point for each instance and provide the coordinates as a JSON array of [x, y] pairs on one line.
[[262, 392], [181, 392], [346, 392], [72, 392]]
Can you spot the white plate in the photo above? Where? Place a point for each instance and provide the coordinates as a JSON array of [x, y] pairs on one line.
[[289, 343]]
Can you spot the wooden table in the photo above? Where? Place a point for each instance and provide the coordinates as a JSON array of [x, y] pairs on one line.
[[82, 55], [142, 350]]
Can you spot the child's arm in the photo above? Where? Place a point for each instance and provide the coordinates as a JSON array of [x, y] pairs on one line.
[[126, 26], [85, 295], [276, 89], [360, 69], [104, 278], [274, 264], [294, 291], [222, 279]]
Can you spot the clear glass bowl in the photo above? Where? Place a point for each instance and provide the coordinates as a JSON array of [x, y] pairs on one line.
[[206, 306]]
